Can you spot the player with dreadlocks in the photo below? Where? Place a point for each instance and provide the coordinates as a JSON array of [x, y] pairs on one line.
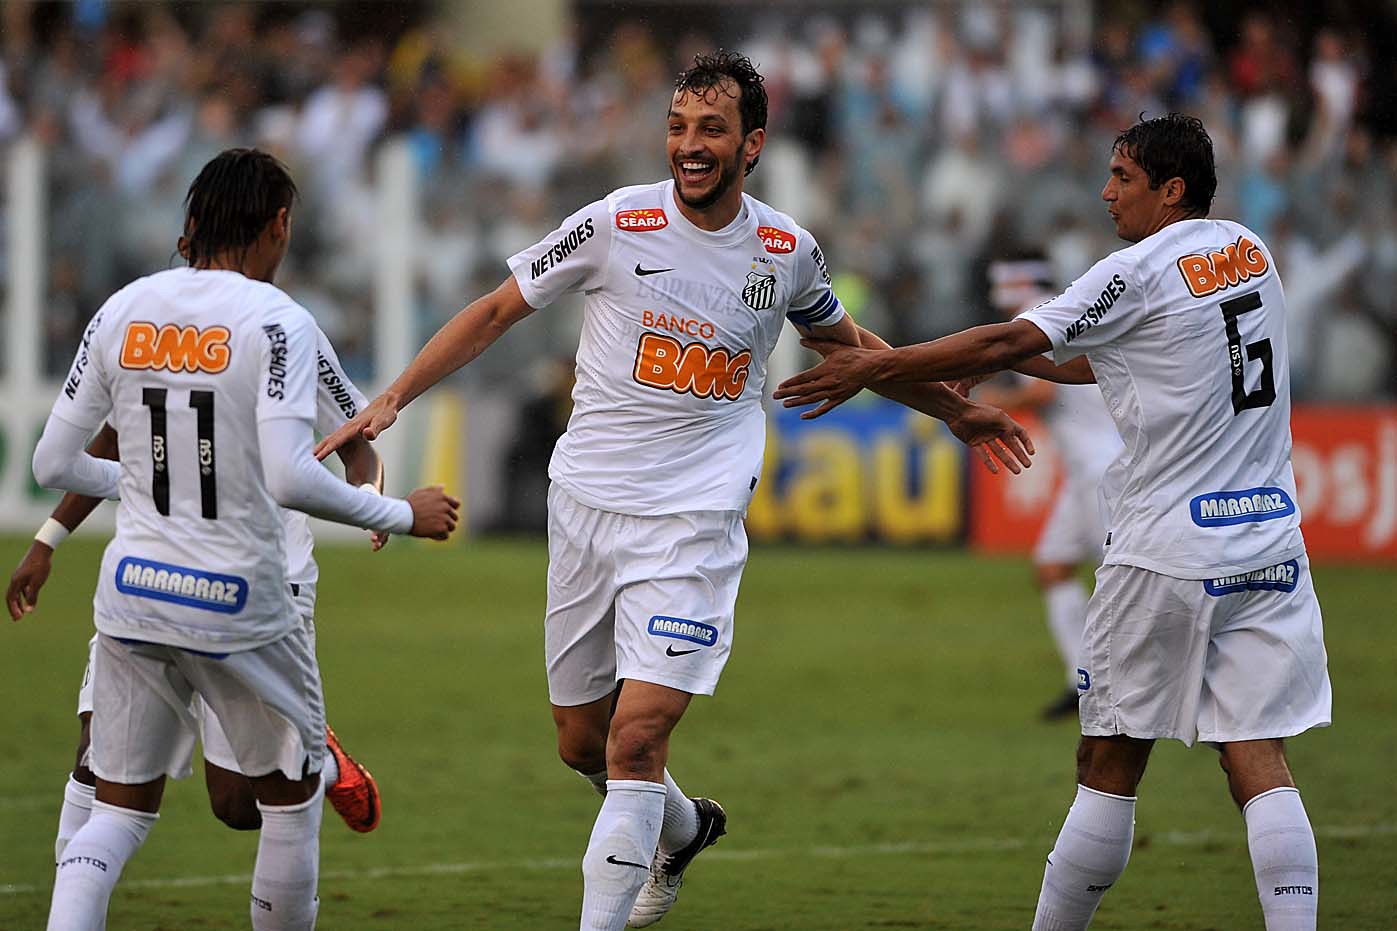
[[208, 377], [686, 285]]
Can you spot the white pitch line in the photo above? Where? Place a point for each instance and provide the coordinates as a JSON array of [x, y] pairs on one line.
[[547, 864]]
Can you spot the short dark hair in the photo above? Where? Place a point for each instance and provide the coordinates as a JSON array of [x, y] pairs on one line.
[[232, 200], [711, 71], [1174, 146]]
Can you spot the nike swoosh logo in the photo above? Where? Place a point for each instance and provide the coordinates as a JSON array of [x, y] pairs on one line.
[[642, 272], [671, 651], [639, 866]]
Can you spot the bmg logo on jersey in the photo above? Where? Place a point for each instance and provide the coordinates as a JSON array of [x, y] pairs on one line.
[[1217, 271], [178, 349], [194, 588], [661, 362], [680, 628]]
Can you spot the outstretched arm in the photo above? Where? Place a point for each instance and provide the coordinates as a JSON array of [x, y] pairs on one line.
[[976, 351], [464, 337], [982, 427]]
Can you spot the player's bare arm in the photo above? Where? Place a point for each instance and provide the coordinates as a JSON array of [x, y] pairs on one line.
[[846, 370], [986, 429], [1076, 372], [463, 338], [364, 469], [22, 595], [990, 432]]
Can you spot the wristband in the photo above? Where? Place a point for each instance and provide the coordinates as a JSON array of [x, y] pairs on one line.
[[51, 534], [370, 487]]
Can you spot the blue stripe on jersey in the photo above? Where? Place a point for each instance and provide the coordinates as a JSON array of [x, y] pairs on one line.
[[826, 307]]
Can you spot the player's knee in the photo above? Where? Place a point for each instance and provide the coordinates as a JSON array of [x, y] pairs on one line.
[[582, 750], [635, 746], [238, 810]]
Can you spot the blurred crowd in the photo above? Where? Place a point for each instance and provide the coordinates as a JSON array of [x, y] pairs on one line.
[[917, 143]]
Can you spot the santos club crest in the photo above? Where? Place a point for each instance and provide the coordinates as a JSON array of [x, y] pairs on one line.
[[760, 292]]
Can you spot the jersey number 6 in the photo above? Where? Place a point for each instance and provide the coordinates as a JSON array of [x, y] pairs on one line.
[[202, 403], [1265, 393]]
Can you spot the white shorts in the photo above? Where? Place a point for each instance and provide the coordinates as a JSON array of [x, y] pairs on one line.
[[1074, 532], [646, 598], [268, 700], [1219, 661], [216, 746], [217, 749]]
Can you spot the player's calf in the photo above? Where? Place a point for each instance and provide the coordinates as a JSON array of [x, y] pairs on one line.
[[231, 798], [288, 864], [92, 862]]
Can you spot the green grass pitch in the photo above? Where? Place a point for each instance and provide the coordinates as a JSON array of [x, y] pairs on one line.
[[874, 740]]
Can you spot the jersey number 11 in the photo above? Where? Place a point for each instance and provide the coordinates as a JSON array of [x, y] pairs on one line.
[[202, 403]]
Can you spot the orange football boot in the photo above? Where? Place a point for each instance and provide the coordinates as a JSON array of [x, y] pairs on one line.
[[355, 796]]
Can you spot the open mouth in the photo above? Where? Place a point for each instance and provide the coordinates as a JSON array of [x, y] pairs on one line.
[[695, 170]]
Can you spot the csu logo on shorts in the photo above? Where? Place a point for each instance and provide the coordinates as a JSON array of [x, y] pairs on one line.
[[679, 628], [194, 588], [1278, 578], [1224, 508], [760, 292]]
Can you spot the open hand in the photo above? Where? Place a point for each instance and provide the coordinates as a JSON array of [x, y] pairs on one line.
[[845, 372], [381, 413], [991, 432]]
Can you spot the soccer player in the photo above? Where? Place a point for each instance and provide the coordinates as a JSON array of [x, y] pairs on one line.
[[1087, 442], [1204, 624], [350, 788], [208, 376], [687, 282]]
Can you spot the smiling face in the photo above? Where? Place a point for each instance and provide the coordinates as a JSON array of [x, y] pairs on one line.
[[1137, 209], [708, 152]]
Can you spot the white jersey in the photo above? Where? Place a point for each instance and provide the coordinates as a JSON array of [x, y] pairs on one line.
[[677, 326], [1185, 331], [337, 401], [185, 364], [1083, 431]]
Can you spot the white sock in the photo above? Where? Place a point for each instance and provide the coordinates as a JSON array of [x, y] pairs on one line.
[[617, 861], [1284, 859], [92, 863], [77, 808], [288, 864], [1089, 856], [681, 818], [598, 781], [1067, 615], [330, 772]]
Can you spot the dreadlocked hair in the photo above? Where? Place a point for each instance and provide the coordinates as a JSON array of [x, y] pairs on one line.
[[710, 72], [234, 198]]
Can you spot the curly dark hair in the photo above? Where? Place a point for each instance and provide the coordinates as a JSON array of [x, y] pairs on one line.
[[232, 200], [1174, 146], [713, 71]]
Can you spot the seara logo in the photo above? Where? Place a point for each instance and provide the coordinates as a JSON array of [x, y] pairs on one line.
[[775, 240], [641, 221], [178, 349], [662, 362], [1216, 271]]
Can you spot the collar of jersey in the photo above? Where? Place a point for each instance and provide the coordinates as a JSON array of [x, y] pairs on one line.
[[740, 228]]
